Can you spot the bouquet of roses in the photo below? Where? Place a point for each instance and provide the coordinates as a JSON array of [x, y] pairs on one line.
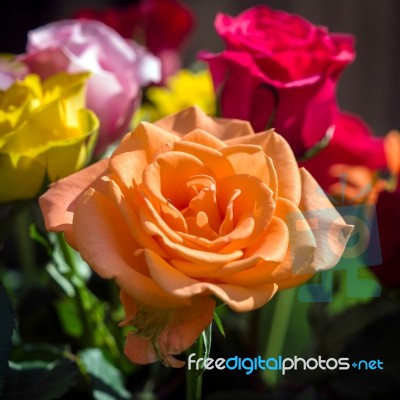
[[143, 204]]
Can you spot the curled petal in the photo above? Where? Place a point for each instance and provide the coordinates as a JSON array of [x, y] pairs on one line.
[[236, 297], [194, 118], [287, 170], [330, 230], [137, 150], [58, 203], [182, 327], [104, 240]]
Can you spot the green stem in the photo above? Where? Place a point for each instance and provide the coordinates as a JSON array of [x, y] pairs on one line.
[[79, 289], [194, 378], [279, 325]]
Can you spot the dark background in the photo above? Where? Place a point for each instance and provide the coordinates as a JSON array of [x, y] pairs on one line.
[[369, 87]]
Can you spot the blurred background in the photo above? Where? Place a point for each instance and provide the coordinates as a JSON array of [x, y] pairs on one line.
[[370, 87]]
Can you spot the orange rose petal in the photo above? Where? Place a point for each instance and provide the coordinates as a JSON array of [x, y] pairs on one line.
[[130, 308], [227, 128], [295, 280], [105, 243], [302, 243], [163, 183], [240, 232], [154, 224], [258, 274], [203, 138], [242, 299], [391, 143], [153, 196], [178, 251], [228, 223], [270, 250], [256, 199], [297, 263], [276, 147], [207, 271], [58, 203], [137, 149], [199, 227], [140, 350], [204, 271], [330, 230], [212, 158], [236, 297], [273, 178], [132, 219], [206, 201], [186, 326], [210, 241], [248, 159], [240, 237], [195, 118], [272, 244], [196, 270]]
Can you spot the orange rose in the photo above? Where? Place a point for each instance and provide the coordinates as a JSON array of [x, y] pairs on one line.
[[191, 208]]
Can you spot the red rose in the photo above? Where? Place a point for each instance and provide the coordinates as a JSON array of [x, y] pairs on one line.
[[146, 22], [280, 69], [352, 144]]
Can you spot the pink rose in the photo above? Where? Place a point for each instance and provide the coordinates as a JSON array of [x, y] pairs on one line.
[[10, 70], [119, 68], [279, 70]]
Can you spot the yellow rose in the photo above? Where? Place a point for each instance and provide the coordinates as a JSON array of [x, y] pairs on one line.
[[193, 208], [183, 90], [45, 133]]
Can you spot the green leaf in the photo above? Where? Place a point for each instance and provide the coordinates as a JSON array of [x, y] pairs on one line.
[[40, 381], [204, 347], [66, 257], [68, 314], [318, 147], [37, 236], [105, 378], [7, 325], [60, 279], [219, 324], [45, 352], [207, 335]]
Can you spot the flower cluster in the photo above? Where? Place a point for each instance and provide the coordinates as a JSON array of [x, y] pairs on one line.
[[189, 188]]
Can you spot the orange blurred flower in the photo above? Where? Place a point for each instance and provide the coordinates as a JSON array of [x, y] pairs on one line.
[[192, 208], [360, 184]]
